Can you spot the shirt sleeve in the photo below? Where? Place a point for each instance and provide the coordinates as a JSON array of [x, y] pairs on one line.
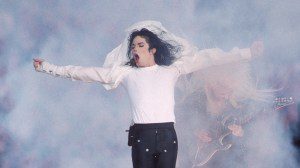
[[192, 59], [109, 77]]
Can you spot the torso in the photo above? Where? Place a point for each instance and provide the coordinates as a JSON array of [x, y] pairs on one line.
[[151, 91]]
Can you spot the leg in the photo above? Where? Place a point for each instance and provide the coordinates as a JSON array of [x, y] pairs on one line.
[[167, 147], [143, 149]]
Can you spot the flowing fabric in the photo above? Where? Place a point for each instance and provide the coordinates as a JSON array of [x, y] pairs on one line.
[[233, 78], [118, 56], [223, 85]]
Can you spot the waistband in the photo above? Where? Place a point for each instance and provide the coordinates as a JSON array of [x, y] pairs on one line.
[[154, 125]]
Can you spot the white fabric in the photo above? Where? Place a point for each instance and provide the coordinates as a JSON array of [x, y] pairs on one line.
[[151, 89], [118, 56], [188, 60], [108, 77]]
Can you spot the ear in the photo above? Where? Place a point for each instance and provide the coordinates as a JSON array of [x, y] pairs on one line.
[[153, 51]]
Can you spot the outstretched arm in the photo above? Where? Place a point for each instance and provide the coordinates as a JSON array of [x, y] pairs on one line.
[[107, 76], [193, 59]]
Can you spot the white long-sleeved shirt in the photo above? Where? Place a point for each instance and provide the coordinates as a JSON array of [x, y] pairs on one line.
[[151, 89]]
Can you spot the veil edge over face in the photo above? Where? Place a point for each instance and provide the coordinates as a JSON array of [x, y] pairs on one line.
[[118, 57], [239, 73]]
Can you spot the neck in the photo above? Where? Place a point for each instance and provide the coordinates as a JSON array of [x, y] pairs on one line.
[[150, 63]]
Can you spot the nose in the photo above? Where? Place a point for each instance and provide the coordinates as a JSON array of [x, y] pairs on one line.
[[133, 49]]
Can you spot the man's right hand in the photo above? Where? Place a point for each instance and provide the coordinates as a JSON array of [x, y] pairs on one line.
[[37, 63]]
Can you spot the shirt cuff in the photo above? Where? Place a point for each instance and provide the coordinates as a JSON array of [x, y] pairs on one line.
[[40, 68], [45, 67]]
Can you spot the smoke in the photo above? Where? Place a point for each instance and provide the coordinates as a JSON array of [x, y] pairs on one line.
[[53, 122]]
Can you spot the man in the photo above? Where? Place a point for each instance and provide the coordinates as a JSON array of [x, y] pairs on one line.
[[155, 59]]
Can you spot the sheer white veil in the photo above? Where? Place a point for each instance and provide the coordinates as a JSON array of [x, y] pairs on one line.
[[118, 56], [235, 76], [233, 81]]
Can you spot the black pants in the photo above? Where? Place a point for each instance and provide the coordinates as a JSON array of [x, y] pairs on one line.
[[154, 146]]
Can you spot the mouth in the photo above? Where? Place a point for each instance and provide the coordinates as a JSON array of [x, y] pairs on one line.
[[136, 57]]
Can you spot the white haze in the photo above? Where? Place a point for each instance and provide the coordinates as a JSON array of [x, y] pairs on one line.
[[59, 123]]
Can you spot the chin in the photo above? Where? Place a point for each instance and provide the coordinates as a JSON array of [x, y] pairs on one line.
[[138, 64]]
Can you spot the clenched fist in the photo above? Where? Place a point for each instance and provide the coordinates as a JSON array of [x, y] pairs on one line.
[[37, 63]]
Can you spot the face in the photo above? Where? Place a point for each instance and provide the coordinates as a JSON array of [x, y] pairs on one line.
[[140, 52]]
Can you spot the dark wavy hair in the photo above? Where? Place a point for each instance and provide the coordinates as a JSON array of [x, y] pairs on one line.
[[165, 51]]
